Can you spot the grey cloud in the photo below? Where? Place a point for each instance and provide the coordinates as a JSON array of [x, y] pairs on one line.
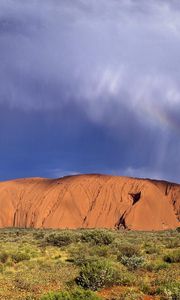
[[90, 49], [116, 61]]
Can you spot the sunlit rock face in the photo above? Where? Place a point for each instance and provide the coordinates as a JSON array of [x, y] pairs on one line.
[[90, 201]]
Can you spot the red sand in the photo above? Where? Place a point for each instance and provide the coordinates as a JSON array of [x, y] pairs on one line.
[[87, 201]]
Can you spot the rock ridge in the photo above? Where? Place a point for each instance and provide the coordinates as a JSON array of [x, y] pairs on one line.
[[90, 201]]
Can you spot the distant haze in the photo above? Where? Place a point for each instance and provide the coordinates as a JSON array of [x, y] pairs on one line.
[[90, 86]]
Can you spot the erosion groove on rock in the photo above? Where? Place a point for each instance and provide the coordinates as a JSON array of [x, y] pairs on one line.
[[88, 201]]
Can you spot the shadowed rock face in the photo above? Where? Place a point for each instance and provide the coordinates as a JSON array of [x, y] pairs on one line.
[[90, 201]]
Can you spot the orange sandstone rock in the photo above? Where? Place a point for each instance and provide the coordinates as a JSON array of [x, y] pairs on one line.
[[88, 201]]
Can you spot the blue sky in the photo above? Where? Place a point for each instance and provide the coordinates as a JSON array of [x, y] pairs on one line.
[[90, 86]]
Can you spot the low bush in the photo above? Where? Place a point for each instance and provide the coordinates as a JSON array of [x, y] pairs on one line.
[[126, 278], [173, 243], [38, 235], [82, 253], [97, 237], [4, 257], [79, 254], [101, 251], [170, 291], [97, 274], [178, 229], [60, 239], [151, 249], [146, 287], [128, 251], [20, 256], [156, 266], [74, 295], [133, 262], [173, 257]]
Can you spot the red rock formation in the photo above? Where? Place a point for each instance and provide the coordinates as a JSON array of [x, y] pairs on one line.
[[90, 201]]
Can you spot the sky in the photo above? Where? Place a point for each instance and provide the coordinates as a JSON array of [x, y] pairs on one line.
[[90, 86]]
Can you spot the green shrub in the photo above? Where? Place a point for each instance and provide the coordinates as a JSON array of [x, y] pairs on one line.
[[126, 278], [74, 295], [178, 229], [4, 257], [170, 291], [82, 253], [160, 266], [97, 237], [97, 274], [173, 243], [38, 235], [60, 239], [20, 256], [146, 288], [133, 262], [156, 266], [173, 257], [128, 251], [151, 249], [101, 250], [79, 254]]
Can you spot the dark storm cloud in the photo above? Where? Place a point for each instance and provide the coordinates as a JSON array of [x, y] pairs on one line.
[[110, 67]]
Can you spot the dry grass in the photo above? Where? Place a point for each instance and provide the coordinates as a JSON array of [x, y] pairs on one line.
[[31, 265]]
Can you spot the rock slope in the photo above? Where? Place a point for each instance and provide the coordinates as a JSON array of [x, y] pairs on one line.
[[88, 201]]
